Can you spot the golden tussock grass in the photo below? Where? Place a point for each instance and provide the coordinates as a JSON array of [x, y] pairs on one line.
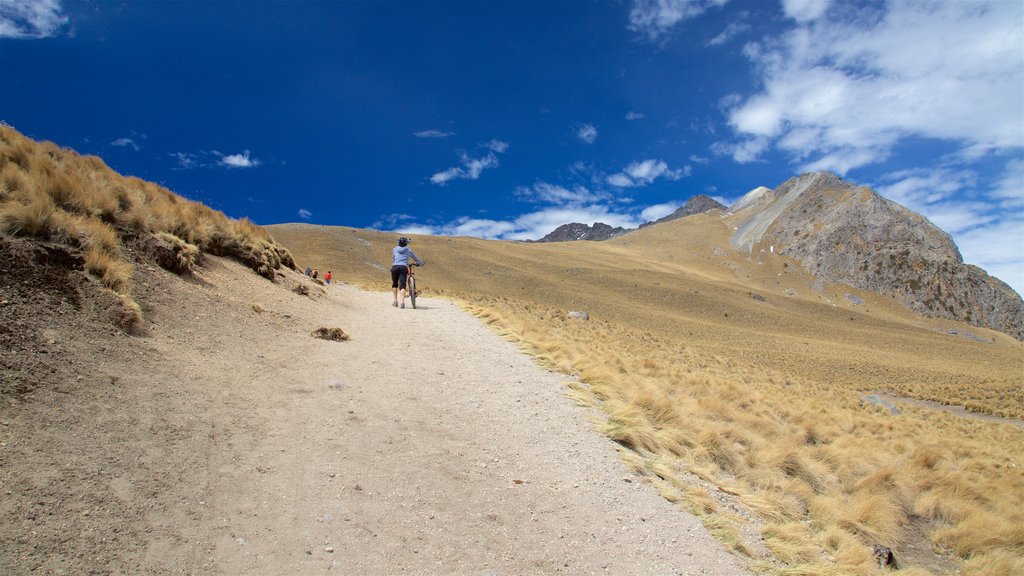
[[54, 194], [707, 388]]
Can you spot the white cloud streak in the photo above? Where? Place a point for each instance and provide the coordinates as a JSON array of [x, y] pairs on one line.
[[242, 160], [643, 173], [212, 159], [31, 19], [633, 115], [654, 19], [840, 93], [125, 143], [529, 226], [731, 31], [470, 170], [496, 145], [587, 133], [555, 194], [305, 214], [433, 134], [805, 10]]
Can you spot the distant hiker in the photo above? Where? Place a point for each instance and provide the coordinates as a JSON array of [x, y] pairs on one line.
[[327, 277], [309, 271], [315, 273], [400, 268]]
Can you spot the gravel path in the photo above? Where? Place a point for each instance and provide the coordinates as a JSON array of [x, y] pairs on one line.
[[230, 441]]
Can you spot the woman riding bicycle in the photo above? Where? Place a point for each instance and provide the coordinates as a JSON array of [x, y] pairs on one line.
[[400, 268]]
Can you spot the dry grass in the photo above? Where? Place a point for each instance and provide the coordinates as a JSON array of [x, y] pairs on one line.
[[758, 398], [54, 194]]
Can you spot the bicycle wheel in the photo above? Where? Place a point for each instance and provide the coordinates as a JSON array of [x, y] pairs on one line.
[[412, 290]]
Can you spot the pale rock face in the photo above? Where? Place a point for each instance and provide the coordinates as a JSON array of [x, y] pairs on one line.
[[846, 233], [756, 196]]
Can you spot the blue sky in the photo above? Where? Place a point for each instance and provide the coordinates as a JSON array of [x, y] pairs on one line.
[[507, 119]]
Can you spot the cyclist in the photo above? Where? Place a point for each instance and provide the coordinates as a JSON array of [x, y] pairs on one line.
[[400, 268]]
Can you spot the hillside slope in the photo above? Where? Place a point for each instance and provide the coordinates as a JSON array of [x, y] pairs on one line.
[[845, 233], [703, 292], [741, 383]]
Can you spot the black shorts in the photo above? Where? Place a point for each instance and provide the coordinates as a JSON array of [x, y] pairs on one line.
[[399, 274]]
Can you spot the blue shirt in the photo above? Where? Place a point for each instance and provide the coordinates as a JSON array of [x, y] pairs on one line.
[[401, 254]]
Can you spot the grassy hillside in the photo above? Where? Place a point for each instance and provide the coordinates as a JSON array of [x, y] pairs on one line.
[[736, 380], [108, 222]]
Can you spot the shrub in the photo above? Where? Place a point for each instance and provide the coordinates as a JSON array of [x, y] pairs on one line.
[[33, 218]]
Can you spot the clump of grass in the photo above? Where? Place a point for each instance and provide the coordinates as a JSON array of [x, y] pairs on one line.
[[174, 254], [29, 217], [334, 334], [115, 274]]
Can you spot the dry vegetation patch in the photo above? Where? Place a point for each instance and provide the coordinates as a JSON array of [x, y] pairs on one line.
[[53, 194], [334, 334]]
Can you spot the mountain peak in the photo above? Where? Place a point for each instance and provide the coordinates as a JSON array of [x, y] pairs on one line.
[[843, 232], [695, 205]]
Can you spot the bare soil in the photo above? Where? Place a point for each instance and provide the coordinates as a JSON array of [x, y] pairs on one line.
[[227, 439]]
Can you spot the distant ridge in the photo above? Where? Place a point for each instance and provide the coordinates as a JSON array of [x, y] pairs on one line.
[[696, 205], [577, 231], [847, 233], [601, 231]]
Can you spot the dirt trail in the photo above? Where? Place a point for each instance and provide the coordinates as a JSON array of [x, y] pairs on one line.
[[228, 440]]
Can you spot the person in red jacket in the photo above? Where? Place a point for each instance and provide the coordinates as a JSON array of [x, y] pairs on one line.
[[327, 277]]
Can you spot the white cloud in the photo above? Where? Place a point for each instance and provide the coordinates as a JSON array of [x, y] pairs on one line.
[[529, 226], [185, 160], [731, 31], [843, 91], [587, 133], [1009, 189], [125, 143], [496, 145], [27, 19], [998, 249], [305, 214], [805, 10], [238, 160], [470, 170], [207, 159], [643, 173], [652, 213], [655, 18], [432, 134], [631, 115], [555, 194]]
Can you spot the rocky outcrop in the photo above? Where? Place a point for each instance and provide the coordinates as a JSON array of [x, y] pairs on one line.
[[847, 233], [695, 205], [576, 231]]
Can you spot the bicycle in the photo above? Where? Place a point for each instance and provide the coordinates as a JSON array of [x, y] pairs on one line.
[[410, 283]]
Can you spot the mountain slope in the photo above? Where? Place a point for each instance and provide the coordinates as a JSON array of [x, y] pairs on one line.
[[846, 233]]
